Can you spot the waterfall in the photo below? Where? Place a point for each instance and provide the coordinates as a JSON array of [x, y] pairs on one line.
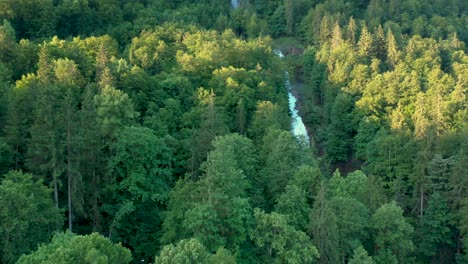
[[235, 4], [297, 125]]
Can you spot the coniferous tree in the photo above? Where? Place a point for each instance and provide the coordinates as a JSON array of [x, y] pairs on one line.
[[365, 44], [351, 31], [46, 155], [91, 157], [435, 230], [392, 49], [224, 185], [323, 229], [380, 44]]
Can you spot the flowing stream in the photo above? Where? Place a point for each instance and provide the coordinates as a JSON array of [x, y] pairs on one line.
[[297, 126], [235, 4]]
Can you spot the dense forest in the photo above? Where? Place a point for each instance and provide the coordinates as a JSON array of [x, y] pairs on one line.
[[158, 131]]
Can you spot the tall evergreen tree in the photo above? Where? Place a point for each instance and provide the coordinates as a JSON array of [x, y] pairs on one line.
[[323, 229], [435, 230], [90, 157]]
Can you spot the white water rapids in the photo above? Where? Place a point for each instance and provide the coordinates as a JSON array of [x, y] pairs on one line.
[[297, 126]]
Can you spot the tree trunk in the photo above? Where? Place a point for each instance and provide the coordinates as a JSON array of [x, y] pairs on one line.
[[69, 174], [55, 192], [422, 201]]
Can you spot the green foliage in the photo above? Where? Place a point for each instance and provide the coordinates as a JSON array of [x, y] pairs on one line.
[[280, 242], [141, 178], [354, 185], [114, 110], [292, 203], [141, 165], [323, 228], [352, 218], [192, 251], [27, 215], [186, 251], [435, 229], [360, 256], [340, 129], [68, 247], [221, 214], [392, 233], [282, 154], [132, 96], [267, 116], [5, 157], [463, 215]]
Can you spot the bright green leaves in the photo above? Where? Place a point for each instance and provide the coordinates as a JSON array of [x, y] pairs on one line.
[[153, 51], [114, 110], [185, 252], [190, 251], [69, 248], [361, 257]]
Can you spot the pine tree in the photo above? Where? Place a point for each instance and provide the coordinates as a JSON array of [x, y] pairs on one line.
[[392, 49], [45, 66], [337, 37], [323, 229], [220, 213], [67, 78], [74, 178], [435, 230], [7, 43], [212, 124], [46, 155], [289, 12], [91, 156], [365, 43], [380, 44], [351, 31]]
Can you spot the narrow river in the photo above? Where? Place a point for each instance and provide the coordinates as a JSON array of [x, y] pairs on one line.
[[297, 126], [235, 4]]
